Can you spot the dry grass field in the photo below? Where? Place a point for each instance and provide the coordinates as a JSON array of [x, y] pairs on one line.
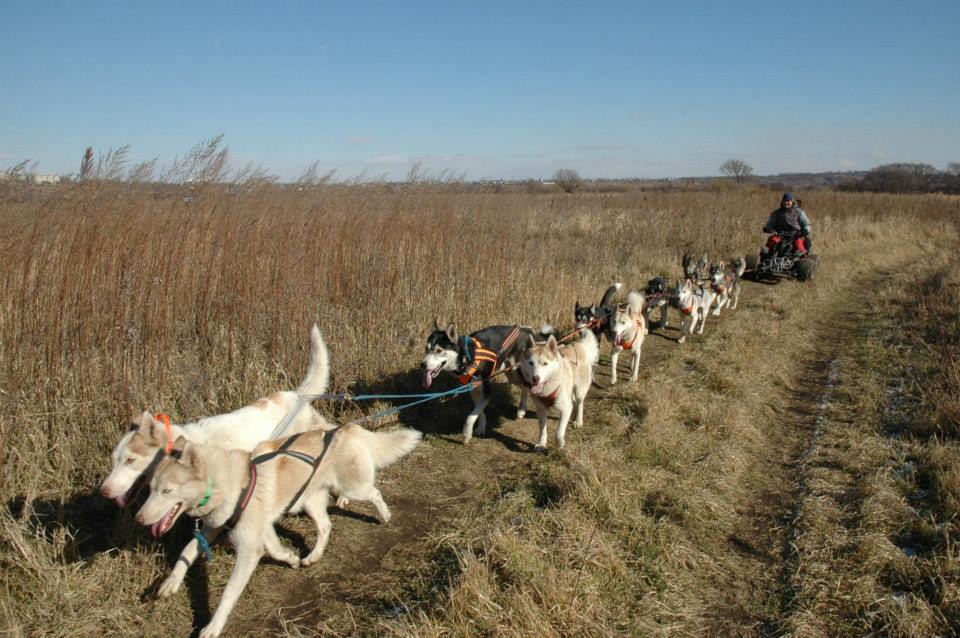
[[794, 471]]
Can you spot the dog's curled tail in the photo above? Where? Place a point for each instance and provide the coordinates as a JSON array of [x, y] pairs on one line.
[[591, 347], [740, 265], [318, 373], [608, 295], [390, 446]]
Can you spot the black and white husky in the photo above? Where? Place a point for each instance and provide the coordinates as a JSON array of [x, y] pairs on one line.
[[597, 317], [477, 357]]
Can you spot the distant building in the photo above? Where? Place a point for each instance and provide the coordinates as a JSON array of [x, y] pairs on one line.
[[44, 179]]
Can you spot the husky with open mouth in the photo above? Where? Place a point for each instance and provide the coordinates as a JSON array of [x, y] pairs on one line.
[[693, 301], [243, 495], [725, 283], [475, 358], [150, 437], [559, 376], [629, 327]]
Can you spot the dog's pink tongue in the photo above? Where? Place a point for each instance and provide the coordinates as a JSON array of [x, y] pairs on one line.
[[618, 339], [155, 528], [538, 388], [427, 378]]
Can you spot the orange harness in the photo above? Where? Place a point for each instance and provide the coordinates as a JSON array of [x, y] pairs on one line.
[[165, 418], [719, 289], [481, 356]]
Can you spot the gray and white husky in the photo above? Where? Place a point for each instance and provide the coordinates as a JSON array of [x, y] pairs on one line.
[[629, 327], [725, 283], [693, 301], [559, 376], [244, 494], [446, 350]]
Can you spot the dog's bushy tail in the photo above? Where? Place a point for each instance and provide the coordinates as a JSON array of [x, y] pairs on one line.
[[739, 265], [389, 446], [318, 374], [591, 347], [635, 300]]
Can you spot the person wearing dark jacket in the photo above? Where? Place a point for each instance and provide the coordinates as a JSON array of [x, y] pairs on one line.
[[787, 219]]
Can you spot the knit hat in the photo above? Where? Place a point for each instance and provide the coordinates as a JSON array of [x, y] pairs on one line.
[[787, 197]]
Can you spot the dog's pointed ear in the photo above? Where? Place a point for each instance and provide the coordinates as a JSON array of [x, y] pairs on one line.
[[144, 422], [178, 447], [552, 346], [189, 455], [452, 332], [527, 342]]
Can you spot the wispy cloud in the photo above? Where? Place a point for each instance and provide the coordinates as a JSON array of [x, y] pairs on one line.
[[387, 159], [360, 139], [599, 147]]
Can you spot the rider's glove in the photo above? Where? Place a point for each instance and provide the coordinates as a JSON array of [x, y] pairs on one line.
[[805, 232], [766, 229]]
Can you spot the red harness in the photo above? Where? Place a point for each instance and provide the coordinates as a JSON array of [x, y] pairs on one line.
[[549, 399], [629, 346]]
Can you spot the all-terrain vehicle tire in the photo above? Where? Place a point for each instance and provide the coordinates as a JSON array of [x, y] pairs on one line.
[[805, 268]]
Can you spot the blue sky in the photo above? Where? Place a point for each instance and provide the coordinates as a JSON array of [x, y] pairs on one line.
[[495, 90]]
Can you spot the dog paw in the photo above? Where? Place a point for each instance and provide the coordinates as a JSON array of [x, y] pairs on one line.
[[385, 518], [169, 587], [310, 559], [211, 631], [521, 414], [542, 449], [681, 340], [343, 502]]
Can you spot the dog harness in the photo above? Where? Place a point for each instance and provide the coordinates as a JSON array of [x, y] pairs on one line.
[[247, 492], [483, 361], [549, 399], [719, 289], [639, 324]]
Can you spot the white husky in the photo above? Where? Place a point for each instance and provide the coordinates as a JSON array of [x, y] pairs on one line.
[[244, 494], [693, 301], [150, 438], [629, 327], [559, 375]]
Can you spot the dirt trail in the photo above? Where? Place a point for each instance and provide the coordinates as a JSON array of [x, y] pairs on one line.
[[444, 477]]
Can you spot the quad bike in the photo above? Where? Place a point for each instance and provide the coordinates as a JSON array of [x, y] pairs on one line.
[[783, 259]]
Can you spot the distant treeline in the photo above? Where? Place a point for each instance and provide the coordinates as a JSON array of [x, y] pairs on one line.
[[907, 178]]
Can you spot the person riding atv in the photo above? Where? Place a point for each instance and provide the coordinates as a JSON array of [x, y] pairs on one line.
[[787, 250], [787, 219]]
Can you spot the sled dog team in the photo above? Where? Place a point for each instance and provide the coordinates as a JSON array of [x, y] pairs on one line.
[[227, 472]]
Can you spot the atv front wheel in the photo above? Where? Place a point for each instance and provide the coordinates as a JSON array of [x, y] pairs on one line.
[[805, 268]]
